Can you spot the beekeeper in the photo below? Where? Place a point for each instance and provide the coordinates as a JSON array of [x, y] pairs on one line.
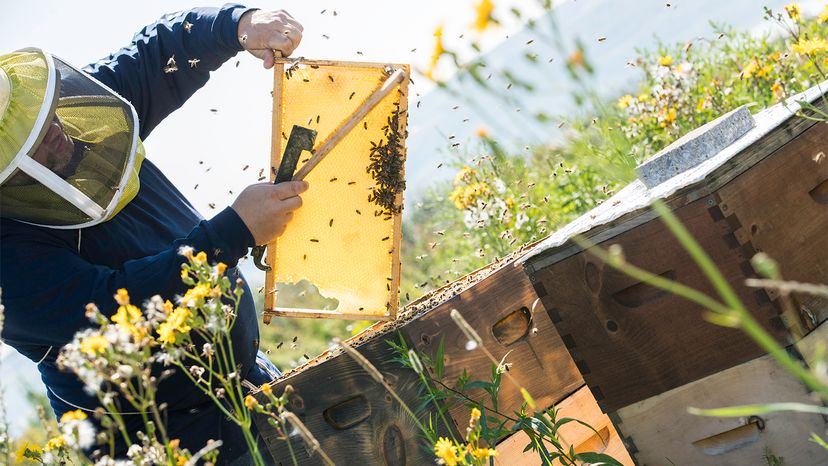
[[84, 213]]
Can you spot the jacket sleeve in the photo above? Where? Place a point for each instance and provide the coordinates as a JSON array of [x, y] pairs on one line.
[[168, 61], [46, 294]]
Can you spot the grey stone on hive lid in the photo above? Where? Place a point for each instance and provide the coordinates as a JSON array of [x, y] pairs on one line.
[[695, 147]]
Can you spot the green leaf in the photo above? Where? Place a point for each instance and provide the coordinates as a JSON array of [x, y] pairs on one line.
[[753, 410], [439, 359], [597, 459]]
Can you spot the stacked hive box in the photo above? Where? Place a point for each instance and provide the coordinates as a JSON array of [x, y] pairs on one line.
[[647, 355], [357, 422]]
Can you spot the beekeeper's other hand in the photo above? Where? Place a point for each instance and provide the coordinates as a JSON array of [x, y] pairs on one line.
[[269, 34]]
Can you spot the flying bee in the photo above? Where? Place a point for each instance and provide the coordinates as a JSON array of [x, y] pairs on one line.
[[351, 96], [188, 26], [602, 39], [245, 167], [194, 62]]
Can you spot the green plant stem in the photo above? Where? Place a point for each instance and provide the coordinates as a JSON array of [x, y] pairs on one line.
[[437, 406]]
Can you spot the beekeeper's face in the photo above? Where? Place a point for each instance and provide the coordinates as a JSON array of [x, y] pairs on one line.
[[55, 151]]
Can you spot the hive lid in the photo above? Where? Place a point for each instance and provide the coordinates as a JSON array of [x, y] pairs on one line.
[[701, 174]]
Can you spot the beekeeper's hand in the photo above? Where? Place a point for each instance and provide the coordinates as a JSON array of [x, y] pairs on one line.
[[269, 34], [266, 208]]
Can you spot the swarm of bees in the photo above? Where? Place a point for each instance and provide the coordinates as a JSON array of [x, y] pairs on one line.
[[386, 167]]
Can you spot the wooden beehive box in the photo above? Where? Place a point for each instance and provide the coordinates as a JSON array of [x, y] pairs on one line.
[[357, 423], [644, 353]]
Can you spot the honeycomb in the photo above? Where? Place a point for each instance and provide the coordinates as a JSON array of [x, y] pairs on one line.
[[341, 249]]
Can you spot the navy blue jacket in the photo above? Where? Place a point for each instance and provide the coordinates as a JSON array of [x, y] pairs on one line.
[[48, 275]]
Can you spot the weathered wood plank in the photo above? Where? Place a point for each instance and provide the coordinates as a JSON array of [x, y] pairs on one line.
[[580, 405], [354, 418], [663, 432], [631, 341], [780, 207], [499, 308]]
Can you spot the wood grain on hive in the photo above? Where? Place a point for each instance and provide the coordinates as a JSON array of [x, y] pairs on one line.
[[343, 245], [632, 341], [780, 207], [354, 418], [495, 301], [499, 308]]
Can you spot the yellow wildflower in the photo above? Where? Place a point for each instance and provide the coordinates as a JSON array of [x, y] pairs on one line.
[[221, 267], [668, 117], [793, 11], [76, 415], [764, 71], [184, 274], [665, 60], [176, 324], [20, 455], [267, 389], [126, 317], [671, 115], [180, 460], [122, 297], [777, 90], [439, 50], [484, 15], [484, 453], [810, 46], [465, 175], [641, 97], [174, 443], [200, 258], [168, 306], [464, 197], [482, 133], [823, 17], [250, 402], [55, 443], [475, 415], [774, 56], [576, 58], [445, 450], [700, 104], [196, 293], [94, 344], [625, 101], [749, 69]]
